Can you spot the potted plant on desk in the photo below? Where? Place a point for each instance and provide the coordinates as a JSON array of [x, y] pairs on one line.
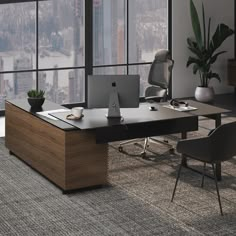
[[36, 98], [204, 50]]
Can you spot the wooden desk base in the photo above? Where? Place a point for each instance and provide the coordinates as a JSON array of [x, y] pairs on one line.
[[70, 159]]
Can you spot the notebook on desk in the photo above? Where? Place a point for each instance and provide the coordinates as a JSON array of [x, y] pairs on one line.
[[181, 108], [47, 113]]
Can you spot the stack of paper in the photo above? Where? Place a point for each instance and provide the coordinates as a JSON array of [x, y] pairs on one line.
[[46, 113]]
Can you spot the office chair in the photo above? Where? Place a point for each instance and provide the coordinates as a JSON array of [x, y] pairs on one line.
[[158, 79], [217, 147]]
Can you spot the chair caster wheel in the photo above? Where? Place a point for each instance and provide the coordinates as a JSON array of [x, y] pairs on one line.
[[143, 154], [11, 153], [171, 150], [120, 149]]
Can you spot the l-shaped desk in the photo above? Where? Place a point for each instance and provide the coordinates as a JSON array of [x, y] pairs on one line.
[[73, 154]]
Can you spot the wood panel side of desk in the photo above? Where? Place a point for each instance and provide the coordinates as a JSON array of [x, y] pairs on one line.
[[39, 144], [86, 161], [70, 159]]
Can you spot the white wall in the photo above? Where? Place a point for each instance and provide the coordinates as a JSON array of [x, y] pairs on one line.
[[184, 82]]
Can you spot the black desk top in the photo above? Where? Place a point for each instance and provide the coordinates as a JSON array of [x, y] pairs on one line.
[[95, 118], [205, 109]]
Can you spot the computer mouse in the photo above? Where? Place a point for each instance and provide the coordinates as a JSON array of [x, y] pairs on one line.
[[152, 108]]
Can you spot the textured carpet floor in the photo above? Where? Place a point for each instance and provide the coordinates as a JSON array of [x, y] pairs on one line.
[[137, 202]]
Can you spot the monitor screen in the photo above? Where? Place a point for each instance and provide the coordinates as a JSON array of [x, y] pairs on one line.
[[113, 92]]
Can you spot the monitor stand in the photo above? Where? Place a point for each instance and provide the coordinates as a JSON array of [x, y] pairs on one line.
[[114, 106]]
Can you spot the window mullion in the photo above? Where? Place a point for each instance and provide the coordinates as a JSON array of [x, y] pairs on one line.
[[88, 41], [37, 43]]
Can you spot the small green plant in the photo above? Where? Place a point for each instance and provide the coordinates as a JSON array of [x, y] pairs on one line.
[[36, 94]]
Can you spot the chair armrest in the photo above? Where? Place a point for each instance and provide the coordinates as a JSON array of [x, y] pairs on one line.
[[199, 148]]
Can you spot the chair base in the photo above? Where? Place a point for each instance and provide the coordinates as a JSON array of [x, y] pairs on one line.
[[146, 144]]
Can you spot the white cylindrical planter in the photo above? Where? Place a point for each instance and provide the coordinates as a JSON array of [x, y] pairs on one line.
[[204, 94]]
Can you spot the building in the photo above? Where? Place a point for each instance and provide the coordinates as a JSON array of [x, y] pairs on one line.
[[72, 87], [42, 77], [2, 82], [23, 81]]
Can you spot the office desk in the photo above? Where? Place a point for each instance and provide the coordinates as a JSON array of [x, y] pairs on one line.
[[74, 154], [140, 122]]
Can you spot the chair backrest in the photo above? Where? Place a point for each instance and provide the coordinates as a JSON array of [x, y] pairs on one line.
[[160, 71], [223, 142]]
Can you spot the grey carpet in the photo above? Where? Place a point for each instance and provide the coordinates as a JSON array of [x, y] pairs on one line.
[[137, 202]]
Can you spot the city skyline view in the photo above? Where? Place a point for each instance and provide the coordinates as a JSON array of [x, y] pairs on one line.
[[61, 44]]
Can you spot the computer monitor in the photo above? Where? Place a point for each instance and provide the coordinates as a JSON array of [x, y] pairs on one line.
[[113, 92]]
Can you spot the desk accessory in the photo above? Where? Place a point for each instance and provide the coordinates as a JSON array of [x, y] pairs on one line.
[[72, 117], [183, 108], [152, 108], [77, 111], [177, 103]]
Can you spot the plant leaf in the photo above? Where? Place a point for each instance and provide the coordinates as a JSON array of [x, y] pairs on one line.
[[196, 24], [221, 34], [195, 51], [213, 58], [204, 26], [192, 43], [208, 33], [193, 47], [195, 69], [212, 75], [192, 60]]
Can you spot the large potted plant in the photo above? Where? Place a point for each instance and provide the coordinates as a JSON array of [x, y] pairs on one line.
[[204, 50]]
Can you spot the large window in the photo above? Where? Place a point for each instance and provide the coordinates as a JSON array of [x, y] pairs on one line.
[[54, 44], [126, 35]]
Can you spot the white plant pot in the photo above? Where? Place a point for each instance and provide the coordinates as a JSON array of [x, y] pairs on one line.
[[204, 94]]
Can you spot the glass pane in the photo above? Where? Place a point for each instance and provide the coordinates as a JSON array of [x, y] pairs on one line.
[[148, 29], [116, 70], [63, 86], [16, 86], [61, 33], [143, 71], [17, 36], [109, 32]]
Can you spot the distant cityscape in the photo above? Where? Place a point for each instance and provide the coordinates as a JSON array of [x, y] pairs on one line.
[[61, 44]]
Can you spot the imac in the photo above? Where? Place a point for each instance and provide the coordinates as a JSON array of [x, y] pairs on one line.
[[113, 92]]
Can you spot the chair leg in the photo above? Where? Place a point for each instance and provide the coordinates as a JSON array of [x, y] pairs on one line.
[[176, 182], [165, 142], [143, 153], [120, 148], [203, 174], [217, 189]]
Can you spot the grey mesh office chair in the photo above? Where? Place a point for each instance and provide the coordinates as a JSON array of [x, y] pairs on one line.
[[217, 147], [159, 79], [159, 76]]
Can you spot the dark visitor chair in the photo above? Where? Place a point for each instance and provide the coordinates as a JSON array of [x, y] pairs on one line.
[[217, 147], [158, 79]]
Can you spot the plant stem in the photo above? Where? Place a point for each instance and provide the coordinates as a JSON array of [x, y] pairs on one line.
[[201, 79]]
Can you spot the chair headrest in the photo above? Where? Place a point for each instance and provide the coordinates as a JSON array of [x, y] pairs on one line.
[[162, 55]]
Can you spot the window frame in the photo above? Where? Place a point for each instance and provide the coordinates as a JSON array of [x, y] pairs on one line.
[[88, 67]]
